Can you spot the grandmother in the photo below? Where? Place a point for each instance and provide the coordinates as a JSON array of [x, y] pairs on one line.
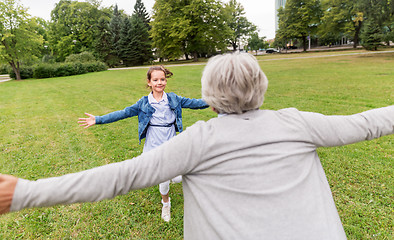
[[248, 174]]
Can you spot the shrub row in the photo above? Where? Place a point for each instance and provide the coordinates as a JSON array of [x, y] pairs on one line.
[[5, 69], [59, 69]]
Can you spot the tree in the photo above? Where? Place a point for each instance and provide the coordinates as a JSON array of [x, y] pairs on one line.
[[102, 43], [255, 42], [140, 11], [124, 44], [73, 27], [371, 36], [195, 27], [238, 23], [332, 26], [299, 19], [381, 12], [344, 18], [115, 26], [167, 29], [140, 42], [19, 38]]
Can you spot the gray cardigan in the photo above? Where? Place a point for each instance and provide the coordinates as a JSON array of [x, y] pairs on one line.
[[250, 176]]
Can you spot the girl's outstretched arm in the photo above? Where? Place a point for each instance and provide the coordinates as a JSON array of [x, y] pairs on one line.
[[7, 188], [87, 122]]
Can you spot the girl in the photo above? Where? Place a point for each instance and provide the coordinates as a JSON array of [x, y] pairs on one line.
[[159, 118]]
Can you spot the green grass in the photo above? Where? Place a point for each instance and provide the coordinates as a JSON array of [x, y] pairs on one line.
[[40, 137]]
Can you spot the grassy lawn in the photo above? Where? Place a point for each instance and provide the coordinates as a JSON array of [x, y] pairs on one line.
[[40, 137]]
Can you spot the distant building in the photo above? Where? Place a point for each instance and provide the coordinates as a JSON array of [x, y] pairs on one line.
[[278, 4]]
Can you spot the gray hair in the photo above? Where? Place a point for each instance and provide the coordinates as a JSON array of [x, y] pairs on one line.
[[233, 83]]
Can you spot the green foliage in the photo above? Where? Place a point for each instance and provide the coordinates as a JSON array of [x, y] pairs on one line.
[[140, 43], [141, 13], [48, 59], [371, 36], [82, 57], [255, 43], [5, 69], [25, 72], [298, 20], [125, 46], [115, 27], [238, 23], [130, 37], [49, 70], [103, 44], [73, 27], [193, 27], [18, 39]]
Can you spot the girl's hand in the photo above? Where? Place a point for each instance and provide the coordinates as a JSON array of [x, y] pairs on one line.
[[7, 189], [87, 122]]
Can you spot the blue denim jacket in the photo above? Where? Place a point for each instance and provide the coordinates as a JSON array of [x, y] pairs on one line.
[[144, 110]]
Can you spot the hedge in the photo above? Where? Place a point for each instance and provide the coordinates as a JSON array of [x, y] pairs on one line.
[[60, 69], [4, 69]]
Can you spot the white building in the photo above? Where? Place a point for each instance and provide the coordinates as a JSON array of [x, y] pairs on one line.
[[278, 4]]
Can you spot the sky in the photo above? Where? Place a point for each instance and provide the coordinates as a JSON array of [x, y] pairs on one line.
[[259, 12]]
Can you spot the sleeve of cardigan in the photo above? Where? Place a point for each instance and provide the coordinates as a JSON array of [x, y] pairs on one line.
[[327, 131], [105, 182]]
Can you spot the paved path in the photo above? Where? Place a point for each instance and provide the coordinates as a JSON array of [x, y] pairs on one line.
[[4, 78], [264, 60]]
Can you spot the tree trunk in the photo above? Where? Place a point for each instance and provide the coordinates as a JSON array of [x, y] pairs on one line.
[[388, 41], [234, 44], [304, 42], [195, 57], [356, 35], [16, 70]]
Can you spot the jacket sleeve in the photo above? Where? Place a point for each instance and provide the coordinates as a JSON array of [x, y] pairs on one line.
[[192, 103], [328, 131], [118, 115]]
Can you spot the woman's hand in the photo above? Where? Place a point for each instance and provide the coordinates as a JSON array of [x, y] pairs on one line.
[[87, 122], [7, 189]]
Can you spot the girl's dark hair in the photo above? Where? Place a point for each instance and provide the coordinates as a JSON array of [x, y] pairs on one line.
[[167, 72]]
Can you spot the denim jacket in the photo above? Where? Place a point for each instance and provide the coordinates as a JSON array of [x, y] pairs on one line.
[[144, 110]]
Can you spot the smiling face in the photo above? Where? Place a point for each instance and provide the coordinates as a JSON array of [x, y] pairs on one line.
[[157, 82]]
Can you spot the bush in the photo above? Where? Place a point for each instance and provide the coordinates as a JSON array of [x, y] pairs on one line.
[[371, 36], [26, 72], [48, 59], [95, 66], [44, 71], [82, 57], [5, 69], [60, 69], [67, 69]]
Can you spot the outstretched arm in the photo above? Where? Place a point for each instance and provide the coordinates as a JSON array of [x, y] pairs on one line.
[[105, 182], [87, 122], [7, 188]]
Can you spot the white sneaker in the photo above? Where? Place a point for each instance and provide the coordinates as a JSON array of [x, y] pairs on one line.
[[166, 213]]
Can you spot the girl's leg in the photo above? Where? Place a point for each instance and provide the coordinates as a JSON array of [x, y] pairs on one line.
[[164, 190], [166, 201]]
